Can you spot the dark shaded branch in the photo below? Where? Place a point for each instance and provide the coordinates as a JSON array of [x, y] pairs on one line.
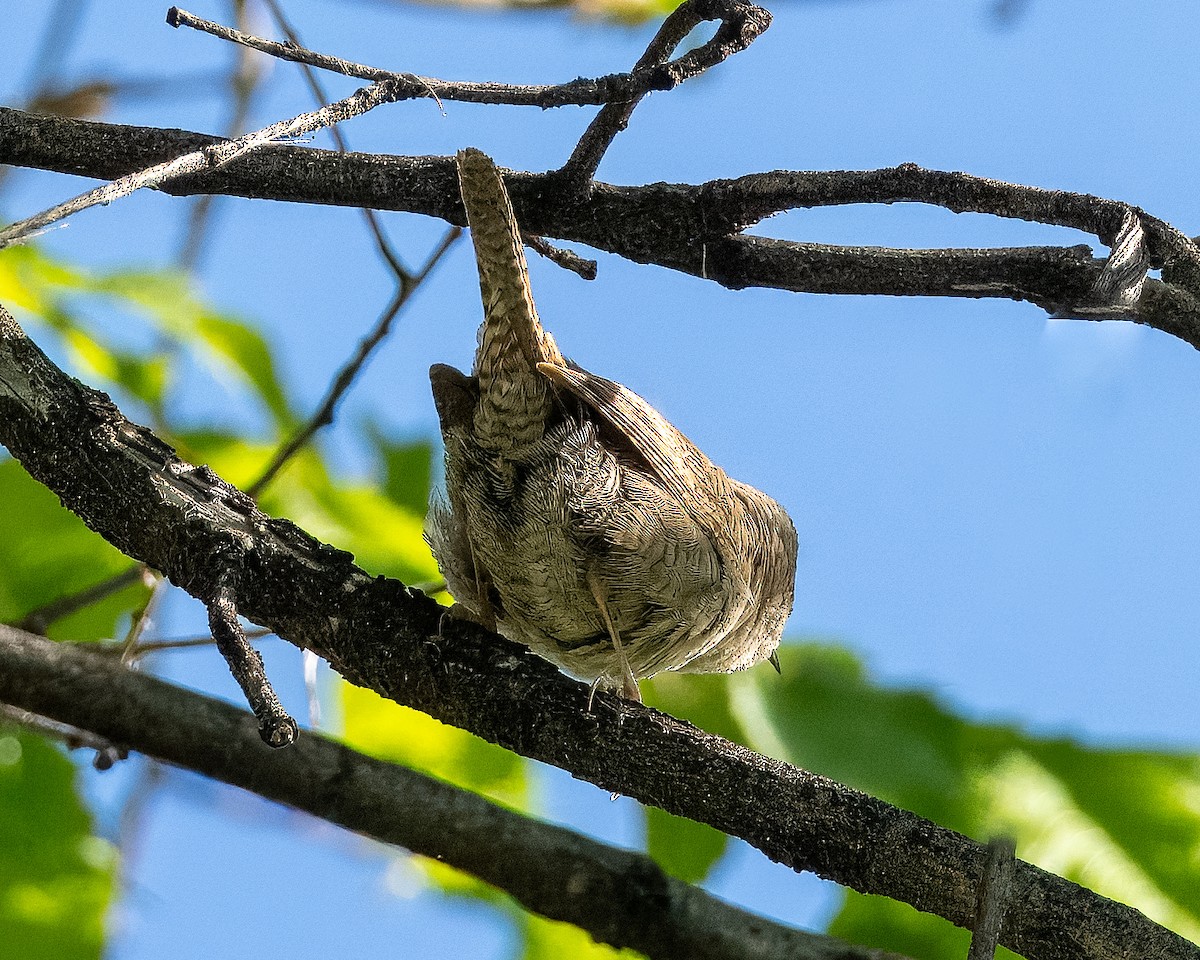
[[128, 486], [691, 228], [738, 203], [74, 737], [743, 23], [619, 897], [567, 259]]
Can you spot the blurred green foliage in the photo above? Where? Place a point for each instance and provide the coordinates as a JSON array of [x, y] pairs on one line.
[[56, 878], [47, 553]]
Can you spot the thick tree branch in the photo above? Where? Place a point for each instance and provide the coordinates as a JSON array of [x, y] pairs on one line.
[[619, 897], [692, 228], [182, 520]]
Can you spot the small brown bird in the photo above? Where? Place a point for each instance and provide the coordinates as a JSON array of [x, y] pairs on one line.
[[577, 520]]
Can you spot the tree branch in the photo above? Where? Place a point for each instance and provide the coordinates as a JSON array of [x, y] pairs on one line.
[[742, 22], [619, 897], [127, 485], [693, 228]]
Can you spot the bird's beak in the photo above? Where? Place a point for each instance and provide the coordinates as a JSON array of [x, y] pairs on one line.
[[773, 660]]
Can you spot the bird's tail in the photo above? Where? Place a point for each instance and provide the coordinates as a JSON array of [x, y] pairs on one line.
[[515, 399]]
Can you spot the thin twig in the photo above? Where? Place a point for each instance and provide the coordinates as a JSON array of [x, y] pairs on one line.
[[62, 27], [141, 617], [567, 259], [107, 753], [276, 728], [147, 647], [382, 244], [130, 837], [580, 92], [243, 82], [345, 377], [208, 158]]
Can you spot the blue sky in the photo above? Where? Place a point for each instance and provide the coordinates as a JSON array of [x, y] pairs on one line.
[[991, 505]]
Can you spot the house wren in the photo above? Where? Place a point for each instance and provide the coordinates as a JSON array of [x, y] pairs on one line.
[[577, 520]]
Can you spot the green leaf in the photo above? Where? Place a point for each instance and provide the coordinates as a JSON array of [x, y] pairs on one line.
[[702, 699], [247, 351], [551, 940], [386, 730], [31, 281], [46, 553], [890, 925], [144, 377], [48, 288], [408, 470], [56, 878], [684, 848], [27, 278], [384, 537], [229, 344], [825, 715]]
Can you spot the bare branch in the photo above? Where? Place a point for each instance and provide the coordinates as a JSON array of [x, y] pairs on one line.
[[107, 754], [567, 259], [741, 24], [613, 88], [244, 80], [995, 887], [37, 621], [382, 244], [185, 521]]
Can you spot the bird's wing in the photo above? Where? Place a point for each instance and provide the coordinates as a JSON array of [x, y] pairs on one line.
[[678, 464]]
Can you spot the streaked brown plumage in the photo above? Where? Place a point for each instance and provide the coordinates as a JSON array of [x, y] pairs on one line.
[[577, 520]]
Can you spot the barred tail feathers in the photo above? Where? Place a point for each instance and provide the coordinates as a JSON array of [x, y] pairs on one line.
[[515, 399]]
